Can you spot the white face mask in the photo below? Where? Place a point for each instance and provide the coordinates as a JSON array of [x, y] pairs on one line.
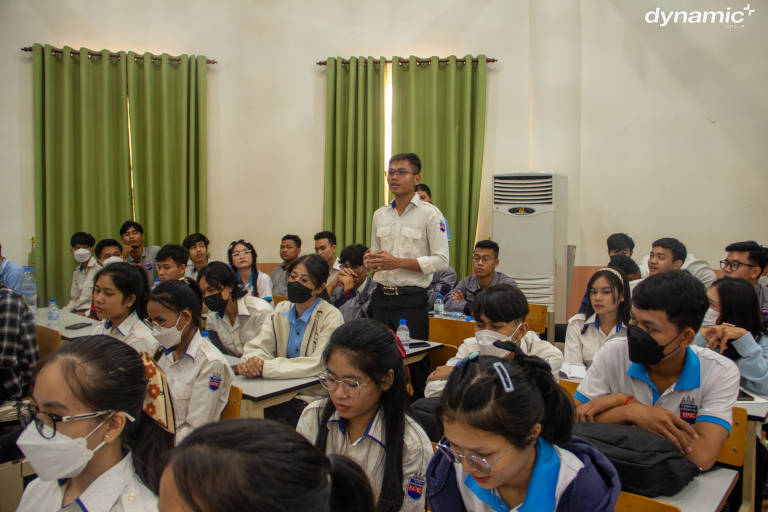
[[112, 259], [487, 337], [710, 318], [58, 457], [167, 337], [82, 255]]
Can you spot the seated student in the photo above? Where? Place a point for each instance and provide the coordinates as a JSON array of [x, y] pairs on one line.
[[656, 380], [292, 340], [107, 251], [171, 262], [627, 266], [18, 345], [351, 289], [485, 259], [508, 444], [365, 416], [82, 277], [499, 314], [605, 316], [11, 273], [94, 430], [119, 299], [325, 247], [670, 254], [442, 282], [748, 260], [196, 246], [242, 259], [733, 327], [250, 465], [290, 249], [620, 243], [236, 317], [426, 195], [198, 375], [134, 252]]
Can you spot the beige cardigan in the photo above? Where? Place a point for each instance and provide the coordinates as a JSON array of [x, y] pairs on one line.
[[271, 344]]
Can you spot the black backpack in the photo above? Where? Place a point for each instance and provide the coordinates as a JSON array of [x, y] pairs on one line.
[[647, 464]]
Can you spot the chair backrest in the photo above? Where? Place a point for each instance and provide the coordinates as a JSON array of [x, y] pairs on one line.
[[440, 356], [48, 340], [235, 400], [733, 449], [569, 386], [629, 502], [277, 299], [450, 332], [537, 318]]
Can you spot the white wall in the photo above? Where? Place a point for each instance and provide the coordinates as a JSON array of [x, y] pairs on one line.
[[660, 130]]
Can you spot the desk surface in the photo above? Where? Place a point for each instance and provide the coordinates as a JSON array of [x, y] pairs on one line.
[[757, 410], [707, 492], [66, 318]]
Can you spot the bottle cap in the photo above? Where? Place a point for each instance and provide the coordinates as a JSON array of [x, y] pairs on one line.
[[402, 321], [439, 295], [51, 300], [27, 269], [204, 334]]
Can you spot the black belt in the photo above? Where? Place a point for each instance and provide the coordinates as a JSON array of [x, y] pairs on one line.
[[399, 290]]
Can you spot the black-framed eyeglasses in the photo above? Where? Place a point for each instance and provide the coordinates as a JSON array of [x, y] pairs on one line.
[[400, 173], [29, 412], [479, 463], [734, 265], [350, 387]]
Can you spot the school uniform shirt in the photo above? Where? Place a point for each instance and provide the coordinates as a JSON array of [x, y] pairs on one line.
[[706, 389], [280, 281], [442, 283], [530, 344], [263, 285], [11, 274], [131, 331], [148, 262], [199, 382], [81, 291], [580, 348], [699, 268], [470, 287], [354, 303], [753, 363], [118, 489], [418, 233], [371, 449], [251, 313]]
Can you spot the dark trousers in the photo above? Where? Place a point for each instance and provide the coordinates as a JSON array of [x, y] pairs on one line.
[[412, 306], [288, 412]]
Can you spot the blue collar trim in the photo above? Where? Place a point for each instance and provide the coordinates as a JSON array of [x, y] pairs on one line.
[[342, 423], [690, 376], [291, 313]]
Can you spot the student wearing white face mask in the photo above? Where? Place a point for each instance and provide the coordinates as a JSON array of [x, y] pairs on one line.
[[96, 430], [198, 375], [82, 276], [499, 314]]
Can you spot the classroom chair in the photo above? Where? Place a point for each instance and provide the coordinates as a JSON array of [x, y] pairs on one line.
[[733, 449], [629, 502], [234, 402], [441, 356], [569, 386], [277, 299], [450, 332], [48, 340], [11, 485], [537, 318]]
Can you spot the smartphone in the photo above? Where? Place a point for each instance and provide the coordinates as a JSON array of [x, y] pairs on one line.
[[79, 325], [417, 344], [744, 396]]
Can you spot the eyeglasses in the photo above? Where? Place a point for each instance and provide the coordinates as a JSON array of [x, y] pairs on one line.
[[400, 173], [303, 279], [29, 412], [734, 265], [482, 259], [350, 387], [244, 252], [479, 463]]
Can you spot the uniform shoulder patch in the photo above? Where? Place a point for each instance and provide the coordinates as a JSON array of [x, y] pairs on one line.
[[215, 381], [415, 488]]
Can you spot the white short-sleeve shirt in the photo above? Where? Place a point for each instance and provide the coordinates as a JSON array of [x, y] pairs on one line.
[[706, 389], [581, 347], [131, 331], [251, 313]]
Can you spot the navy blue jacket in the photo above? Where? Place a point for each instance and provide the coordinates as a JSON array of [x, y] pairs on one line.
[[595, 488]]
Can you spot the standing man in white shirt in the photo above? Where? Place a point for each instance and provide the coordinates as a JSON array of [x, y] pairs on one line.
[[408, 244]]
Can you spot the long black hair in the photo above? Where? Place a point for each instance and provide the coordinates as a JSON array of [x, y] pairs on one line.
[[475, 395], [619, 289], [179, 295], [372, 348], [106, 374], [254, 270], [130, 281], [219, 275], [252, 465], [317, 269], [739, 305]]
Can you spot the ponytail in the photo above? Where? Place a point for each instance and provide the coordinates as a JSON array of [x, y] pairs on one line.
[[350, 488], [149, 444]]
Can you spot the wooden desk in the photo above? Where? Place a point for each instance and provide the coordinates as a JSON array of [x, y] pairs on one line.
[[66, 318], [413, 355], [757, 411], [705, 493]]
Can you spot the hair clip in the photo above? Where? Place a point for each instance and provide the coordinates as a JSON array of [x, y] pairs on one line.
[[473, 355], [504, 378]]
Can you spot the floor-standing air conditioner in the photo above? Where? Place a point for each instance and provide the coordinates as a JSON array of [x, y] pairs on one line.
[[529, 223]]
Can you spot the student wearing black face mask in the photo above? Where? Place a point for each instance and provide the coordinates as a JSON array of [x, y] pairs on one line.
[[291, 341], [658, 381], [236, 316]]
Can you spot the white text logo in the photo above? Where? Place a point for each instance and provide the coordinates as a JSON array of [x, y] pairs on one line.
[[726, 17]]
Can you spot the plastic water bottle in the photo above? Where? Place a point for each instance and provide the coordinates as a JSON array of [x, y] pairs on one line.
[[53, 314], [29, 289], [402, 331], [157, 282], [439, 308]]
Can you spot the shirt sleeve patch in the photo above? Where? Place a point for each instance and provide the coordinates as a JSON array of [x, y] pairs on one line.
[[442, 226], [215, 381], [415, 488]]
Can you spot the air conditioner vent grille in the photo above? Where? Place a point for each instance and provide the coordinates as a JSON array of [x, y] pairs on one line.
[[522, 189]]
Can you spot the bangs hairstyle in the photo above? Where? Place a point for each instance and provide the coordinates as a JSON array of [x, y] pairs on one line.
[[739, 305], [103, 244], [316, 267], [619, 242], [411, 158], [500, 303], [81, 238], [129, 280], [193, 239], [106, 374], [218, 275], [173, 252], [680, 295], [253, 465], [474, 395], [353, 255], [679, 252], [178, 295], [372, 348], [254, 270], [619, 289]]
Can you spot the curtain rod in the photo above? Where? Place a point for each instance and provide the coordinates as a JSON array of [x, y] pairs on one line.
[[489, 60], [116, 55]]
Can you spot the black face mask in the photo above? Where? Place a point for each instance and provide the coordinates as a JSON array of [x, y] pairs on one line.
[[216, 302], [643, 349], [298, 293]]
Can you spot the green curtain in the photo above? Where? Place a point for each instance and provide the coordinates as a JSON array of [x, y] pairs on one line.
[[438, 112], [168, 144], [354, 147], [82, 175]]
